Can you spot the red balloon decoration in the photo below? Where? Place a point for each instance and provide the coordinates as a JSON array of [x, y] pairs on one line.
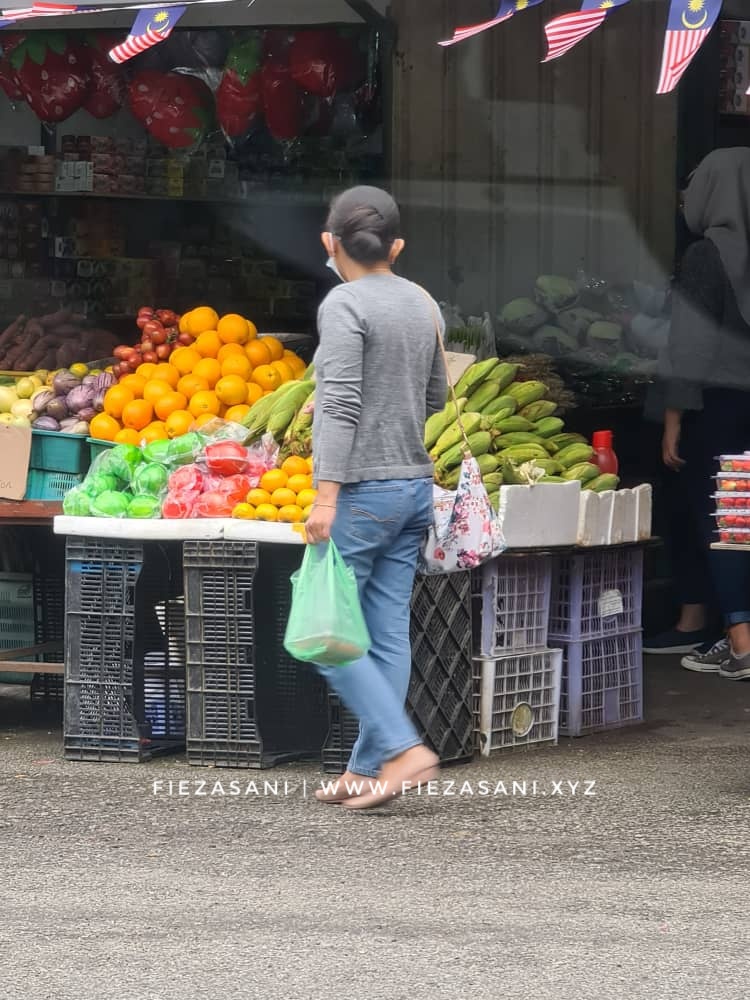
[[174, 108], [282, 101], [53, 74], [108, 87]]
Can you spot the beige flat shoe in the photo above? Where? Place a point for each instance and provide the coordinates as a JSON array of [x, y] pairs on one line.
[[339, 792], [415, 766]]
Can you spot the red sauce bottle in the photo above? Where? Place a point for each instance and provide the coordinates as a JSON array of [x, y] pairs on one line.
[[604, 455]]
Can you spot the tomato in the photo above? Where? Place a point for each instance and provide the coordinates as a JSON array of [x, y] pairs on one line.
[[163, 351], [213, 505], [186, 339], [121, 351], [189, 478], [167, 317], [226, 458], [125, 368]]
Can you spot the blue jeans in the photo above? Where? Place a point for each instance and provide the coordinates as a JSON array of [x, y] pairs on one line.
[[379, 528]]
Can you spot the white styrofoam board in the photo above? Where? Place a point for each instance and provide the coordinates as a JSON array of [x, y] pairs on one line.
[[540, 516], [263, 531], [129, 529], [644, 496]]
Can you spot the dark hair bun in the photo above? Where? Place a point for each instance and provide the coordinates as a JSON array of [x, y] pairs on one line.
[[367, 221]]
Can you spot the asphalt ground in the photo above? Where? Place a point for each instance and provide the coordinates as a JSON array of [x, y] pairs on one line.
[[633, 887]]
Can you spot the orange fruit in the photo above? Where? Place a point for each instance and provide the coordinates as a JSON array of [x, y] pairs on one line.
[[291, 514], [138, 414], [237, 364], [202, 420], [300, 482], [156, 431], [203, 403], [230, 350], [310, 464], [294, 466], [275, 347], [104, 427], [244, 512], [266, 377], [136, 383], [178, 422], [190, 384], [306, 512], [237, 413], [116, 399], [208, 344], [184, 324], [258, 353], [155, 389], [252, 330], [232, 329], [266, 512], [201, 319], [167, 373], [295, 362], [254, 393], [231, 390], [285, 370], [274, 479], [184, 359], [147, 370], [284, 497], [306, 498], [128, 436], [169, 403], [258, 497], [208, 369]]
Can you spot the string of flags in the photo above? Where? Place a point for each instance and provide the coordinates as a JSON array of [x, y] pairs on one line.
[[688, 25]]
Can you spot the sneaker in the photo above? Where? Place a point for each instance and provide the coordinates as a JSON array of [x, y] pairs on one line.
[[736, 668], [711, 661], [672, 642]]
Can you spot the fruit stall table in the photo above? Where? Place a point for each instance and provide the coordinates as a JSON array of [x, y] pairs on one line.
[[30, 514]]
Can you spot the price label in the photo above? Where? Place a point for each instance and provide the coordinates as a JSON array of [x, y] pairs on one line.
[[610, 604]]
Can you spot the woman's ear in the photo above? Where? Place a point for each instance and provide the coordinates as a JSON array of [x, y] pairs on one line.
[[396, 251], [328, 244]]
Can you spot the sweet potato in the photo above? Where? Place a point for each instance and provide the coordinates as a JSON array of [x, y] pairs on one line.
[[11, 332], [55, 319], [38, 351]]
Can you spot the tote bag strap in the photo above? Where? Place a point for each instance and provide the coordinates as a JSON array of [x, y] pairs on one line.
[[451, 390]]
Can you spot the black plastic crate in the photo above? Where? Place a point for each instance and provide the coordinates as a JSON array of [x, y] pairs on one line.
[[49, 610], [124, 650], [249, 704], [440, 692]]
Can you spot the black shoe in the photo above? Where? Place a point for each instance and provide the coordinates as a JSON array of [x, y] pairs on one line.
[[672, 642]]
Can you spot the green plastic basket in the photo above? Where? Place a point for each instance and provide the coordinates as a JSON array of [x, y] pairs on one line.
[[52, 451], [97, 448], [43, 485]]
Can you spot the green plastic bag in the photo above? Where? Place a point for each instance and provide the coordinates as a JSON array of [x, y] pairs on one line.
[[326, 624]]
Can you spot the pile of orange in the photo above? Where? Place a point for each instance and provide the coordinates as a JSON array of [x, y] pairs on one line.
[[222, 374], [284, 494]]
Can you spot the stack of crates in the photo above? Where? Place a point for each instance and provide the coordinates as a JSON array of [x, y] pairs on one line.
[[57, 463], [595, 619], [440, 692], [516, 677]]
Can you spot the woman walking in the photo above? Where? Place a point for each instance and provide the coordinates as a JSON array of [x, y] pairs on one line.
[[379, 374]]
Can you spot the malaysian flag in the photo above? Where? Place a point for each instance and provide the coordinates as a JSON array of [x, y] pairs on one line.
[[505, 11], [37, 10], [569, 29], [150, 27], [689, 24]]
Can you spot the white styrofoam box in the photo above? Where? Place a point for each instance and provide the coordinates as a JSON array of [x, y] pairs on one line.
[[539, 516], [137, 530], [262, 531], [622, 524], [644, 496], [593, 528]]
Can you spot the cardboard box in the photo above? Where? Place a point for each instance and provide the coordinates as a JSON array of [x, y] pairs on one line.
[[15, 447], [540, 516]]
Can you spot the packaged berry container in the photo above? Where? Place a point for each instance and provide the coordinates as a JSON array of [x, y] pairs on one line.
[[733, 482], [734, 463], [732, 501], [733, 518], [735, 536]]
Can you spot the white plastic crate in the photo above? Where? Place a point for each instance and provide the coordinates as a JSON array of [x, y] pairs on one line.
[[596, 593], [602, 684], [517, 700], [511, 597]]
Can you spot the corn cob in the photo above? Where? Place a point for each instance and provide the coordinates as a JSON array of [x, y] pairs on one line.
[[510, 473], [526, 392], [547, 427], [553, 479], [603, 483], [486, 392], [549, 466], [487, 464], [501, 404], [539, 410], [574, 454], [452, 436], [474, 375], [521, 453], [564, 440], [494, 499], [518, 437], [309, 375], [505, 373], [510, 425], [479, 444], [257, 418], [285, 410], [492, 480], [441, 421], [448, 480], [584, 471]]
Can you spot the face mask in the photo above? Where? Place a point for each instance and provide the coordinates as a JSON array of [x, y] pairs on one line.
[[331, 263]]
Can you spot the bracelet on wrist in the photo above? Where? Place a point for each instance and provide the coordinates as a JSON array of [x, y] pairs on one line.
[[331, 506]]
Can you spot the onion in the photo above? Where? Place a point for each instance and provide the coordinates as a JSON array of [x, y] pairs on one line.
[[79, 397], [64, 382], [105, 381], [87, 413], [41, 400], [90, 380], [80, 427], [57, 409], [46, 424]]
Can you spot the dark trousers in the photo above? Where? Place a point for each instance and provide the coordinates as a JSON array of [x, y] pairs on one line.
[[721, 428]]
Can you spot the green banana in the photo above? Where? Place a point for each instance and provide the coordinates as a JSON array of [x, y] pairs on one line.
[[441, 421], [486, 392], [527, 392], [474, 375], [504, 405], [479, 444], [547, 427], [603, 483], [539, 410], [574, 454], [583, 471], [452, 436]]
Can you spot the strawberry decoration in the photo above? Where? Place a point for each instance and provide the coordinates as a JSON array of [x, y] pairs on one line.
[[282, 101], [239, 97], [174, 108], [108, 88], [8, 80], [52, 73]]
